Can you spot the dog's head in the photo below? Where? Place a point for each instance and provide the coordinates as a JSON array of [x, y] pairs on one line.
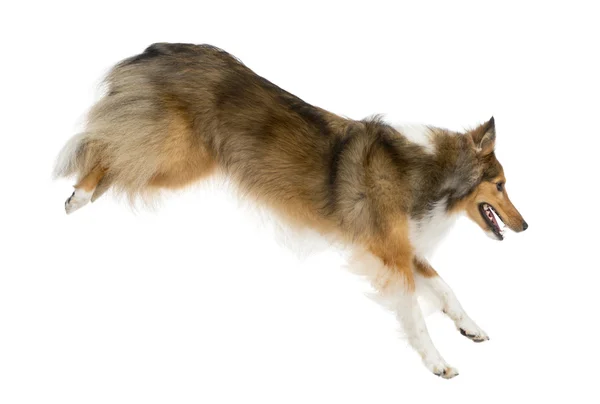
[[488, 203]]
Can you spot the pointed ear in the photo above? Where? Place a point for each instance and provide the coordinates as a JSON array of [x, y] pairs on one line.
[[484, 137]]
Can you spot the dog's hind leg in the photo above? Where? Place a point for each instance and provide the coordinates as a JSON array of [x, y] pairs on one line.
[[428, 280], [103, 185], [84, 190]]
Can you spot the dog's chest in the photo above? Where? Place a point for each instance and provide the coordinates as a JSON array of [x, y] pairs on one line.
[[427, 232]]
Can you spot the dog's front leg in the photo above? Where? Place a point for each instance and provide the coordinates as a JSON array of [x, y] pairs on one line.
[[427, 278], [392, 276], [410, 316]]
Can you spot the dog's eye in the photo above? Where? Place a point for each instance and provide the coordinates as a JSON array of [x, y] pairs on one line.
[[500, 186]]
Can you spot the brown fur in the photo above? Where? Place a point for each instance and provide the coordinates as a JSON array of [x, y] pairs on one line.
[[423, 268], [91, 180], [178, 113]]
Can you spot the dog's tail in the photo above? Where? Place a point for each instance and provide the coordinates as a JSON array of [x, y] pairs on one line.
[[69, 160]]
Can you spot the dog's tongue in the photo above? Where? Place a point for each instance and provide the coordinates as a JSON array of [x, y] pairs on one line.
[[493, 218], [490, 215]]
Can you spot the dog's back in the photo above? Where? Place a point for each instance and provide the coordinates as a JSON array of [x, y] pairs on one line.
[[177, 112]]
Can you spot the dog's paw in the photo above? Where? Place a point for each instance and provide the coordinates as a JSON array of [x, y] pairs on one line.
[[78, 199], [446, 373], [441, 369], [470, 330]]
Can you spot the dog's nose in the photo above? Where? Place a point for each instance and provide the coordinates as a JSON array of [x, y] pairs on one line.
[[525, 225]]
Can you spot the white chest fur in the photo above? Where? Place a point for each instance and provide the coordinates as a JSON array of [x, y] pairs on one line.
[[427, 232]]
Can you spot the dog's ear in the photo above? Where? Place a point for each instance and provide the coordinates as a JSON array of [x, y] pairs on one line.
[[484, 137]]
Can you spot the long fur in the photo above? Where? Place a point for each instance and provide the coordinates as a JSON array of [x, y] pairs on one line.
[[179, 113]]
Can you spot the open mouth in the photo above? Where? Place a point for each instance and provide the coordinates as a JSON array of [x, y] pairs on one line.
[[492, 218]]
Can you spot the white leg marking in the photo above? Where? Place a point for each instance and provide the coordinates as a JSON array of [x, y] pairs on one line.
[[395, 296], [408, 313], [452, 307], [78, 199]]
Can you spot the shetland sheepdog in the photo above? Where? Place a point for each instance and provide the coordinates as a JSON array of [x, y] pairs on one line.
[[179, 113]]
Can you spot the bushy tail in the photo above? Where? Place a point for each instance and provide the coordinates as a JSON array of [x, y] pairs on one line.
[[70, 161]]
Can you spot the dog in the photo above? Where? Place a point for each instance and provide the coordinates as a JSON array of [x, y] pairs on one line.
[[179, 113]]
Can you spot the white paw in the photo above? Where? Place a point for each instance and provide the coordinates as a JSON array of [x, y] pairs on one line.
[[78, 199], [441, 368], [469, 329]]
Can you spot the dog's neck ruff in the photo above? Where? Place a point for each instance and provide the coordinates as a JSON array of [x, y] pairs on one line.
[[427, 231]]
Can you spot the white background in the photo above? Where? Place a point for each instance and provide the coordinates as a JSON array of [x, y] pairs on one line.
[[193, 303]]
